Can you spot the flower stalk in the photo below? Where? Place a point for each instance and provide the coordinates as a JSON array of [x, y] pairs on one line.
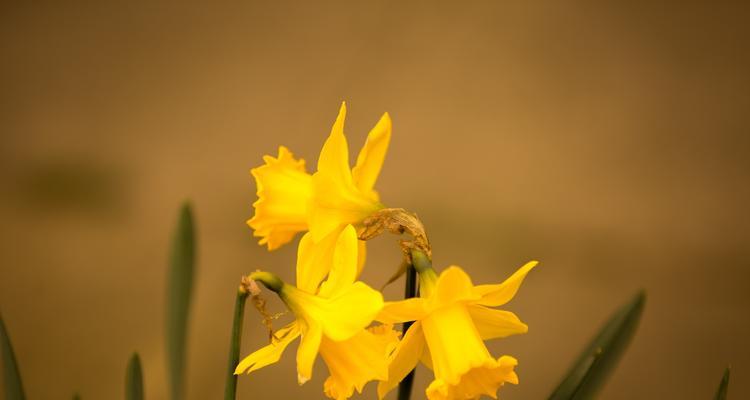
[[410, 291], [230, 391]]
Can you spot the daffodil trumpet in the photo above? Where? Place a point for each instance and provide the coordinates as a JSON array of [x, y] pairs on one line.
[[452, 318]]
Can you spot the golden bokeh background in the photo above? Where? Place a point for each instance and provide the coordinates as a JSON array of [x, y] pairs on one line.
[[609, 141]]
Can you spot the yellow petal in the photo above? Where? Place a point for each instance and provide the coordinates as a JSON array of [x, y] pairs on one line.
[[355, 361], [308, 350], [350, 311], [403, 359], [370, 160], [388, 336], [493, 323], [341, 316], [453, 286], [485, 379], [334, 157], [454, 342], [343, 263], [284, 191], [394, 312], [269, 354], [314, 261], [336, 203], [497, 295]]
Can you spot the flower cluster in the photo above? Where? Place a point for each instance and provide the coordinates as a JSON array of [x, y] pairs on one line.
[[346, 321]]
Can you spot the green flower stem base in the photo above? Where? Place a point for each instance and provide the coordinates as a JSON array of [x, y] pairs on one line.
[[230, 392], [419, 261]]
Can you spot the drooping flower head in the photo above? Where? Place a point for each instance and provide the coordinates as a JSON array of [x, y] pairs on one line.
[[331, 317], [290, 200], [452, 319]]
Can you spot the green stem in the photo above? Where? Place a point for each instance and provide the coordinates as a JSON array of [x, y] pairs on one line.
[[230, 392], [420, 262]]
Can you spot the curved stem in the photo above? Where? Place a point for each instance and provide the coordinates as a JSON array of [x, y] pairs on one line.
[[230, 392]]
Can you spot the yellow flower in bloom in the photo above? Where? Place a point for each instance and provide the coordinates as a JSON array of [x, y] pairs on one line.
[[331, 317], [290, 200], [452, 319]]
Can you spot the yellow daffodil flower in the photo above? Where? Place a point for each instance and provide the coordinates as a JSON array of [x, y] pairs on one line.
[[290, 200], [452, 319], [331, 317]]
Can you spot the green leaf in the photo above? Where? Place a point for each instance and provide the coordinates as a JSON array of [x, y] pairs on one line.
[[76, 396], [11, 376], [592, 368], [180, 285], [134, 379], [721, 393]]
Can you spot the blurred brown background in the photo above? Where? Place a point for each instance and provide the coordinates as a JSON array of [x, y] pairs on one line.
[[608, 141]]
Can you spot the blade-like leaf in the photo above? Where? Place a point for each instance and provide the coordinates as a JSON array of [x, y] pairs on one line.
[[134, 379], [180, 285], [11, 376], [721, 393], [592, 368]]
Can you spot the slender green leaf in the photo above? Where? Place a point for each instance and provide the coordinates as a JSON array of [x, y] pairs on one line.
[[230, 391], [134, 379], [592, 368], [180, 285], [721, 393], [11, 376]]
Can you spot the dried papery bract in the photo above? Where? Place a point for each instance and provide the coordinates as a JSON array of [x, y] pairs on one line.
[[398, 221], [248, 285]]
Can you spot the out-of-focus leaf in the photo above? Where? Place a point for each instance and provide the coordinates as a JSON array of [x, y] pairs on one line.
[[11, 376], [180, 285], [721, 393], [134, 379], [76, 396], [592, 368]]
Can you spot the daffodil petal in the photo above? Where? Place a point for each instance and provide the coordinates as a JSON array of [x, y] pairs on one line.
[[453, 285], [454, 342], [308, 351], [341, 316], [497, 295], [357, 360], [394, 312], [271, 353], [403, 359], [334, 157], [314, 261], [350, 311], [370, 160], [493, 323], [343, 264], [336, 203]]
